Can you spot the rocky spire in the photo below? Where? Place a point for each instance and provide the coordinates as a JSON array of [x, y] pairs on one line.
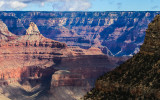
[[32, 30], [152, 39]]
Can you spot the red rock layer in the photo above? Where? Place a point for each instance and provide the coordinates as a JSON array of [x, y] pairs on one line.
[[27, 52]]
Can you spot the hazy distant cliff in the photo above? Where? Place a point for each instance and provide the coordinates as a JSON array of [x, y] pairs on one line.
[[116, 33]]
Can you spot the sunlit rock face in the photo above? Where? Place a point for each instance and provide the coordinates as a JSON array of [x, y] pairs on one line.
[[5, 34], [115, 33], [33, 67], [33, 29]]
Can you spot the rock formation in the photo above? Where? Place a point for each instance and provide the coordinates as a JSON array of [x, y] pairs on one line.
[[5, 35], [32, 30], [33, 43], [35, 67], [138, 78], [27, 50], [115, 33]]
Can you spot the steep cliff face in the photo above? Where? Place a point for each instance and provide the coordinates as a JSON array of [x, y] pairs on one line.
[[138, 78], [115, 33]]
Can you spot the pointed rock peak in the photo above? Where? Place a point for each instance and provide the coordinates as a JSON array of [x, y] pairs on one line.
[[32, 30]]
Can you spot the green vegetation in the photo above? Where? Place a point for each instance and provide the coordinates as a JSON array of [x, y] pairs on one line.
[[138, 78]]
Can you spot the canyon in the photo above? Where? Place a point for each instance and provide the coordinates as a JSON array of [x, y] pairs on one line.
[[115, 33], [59, 55], [34, 67]]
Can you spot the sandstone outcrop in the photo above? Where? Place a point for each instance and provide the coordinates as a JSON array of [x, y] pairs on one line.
[[33, 29]]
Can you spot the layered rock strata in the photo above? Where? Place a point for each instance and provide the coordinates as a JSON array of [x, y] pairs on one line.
[[34, 67], [115, 33]]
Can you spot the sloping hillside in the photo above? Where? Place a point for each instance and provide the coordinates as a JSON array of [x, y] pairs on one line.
[[138, 78]]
